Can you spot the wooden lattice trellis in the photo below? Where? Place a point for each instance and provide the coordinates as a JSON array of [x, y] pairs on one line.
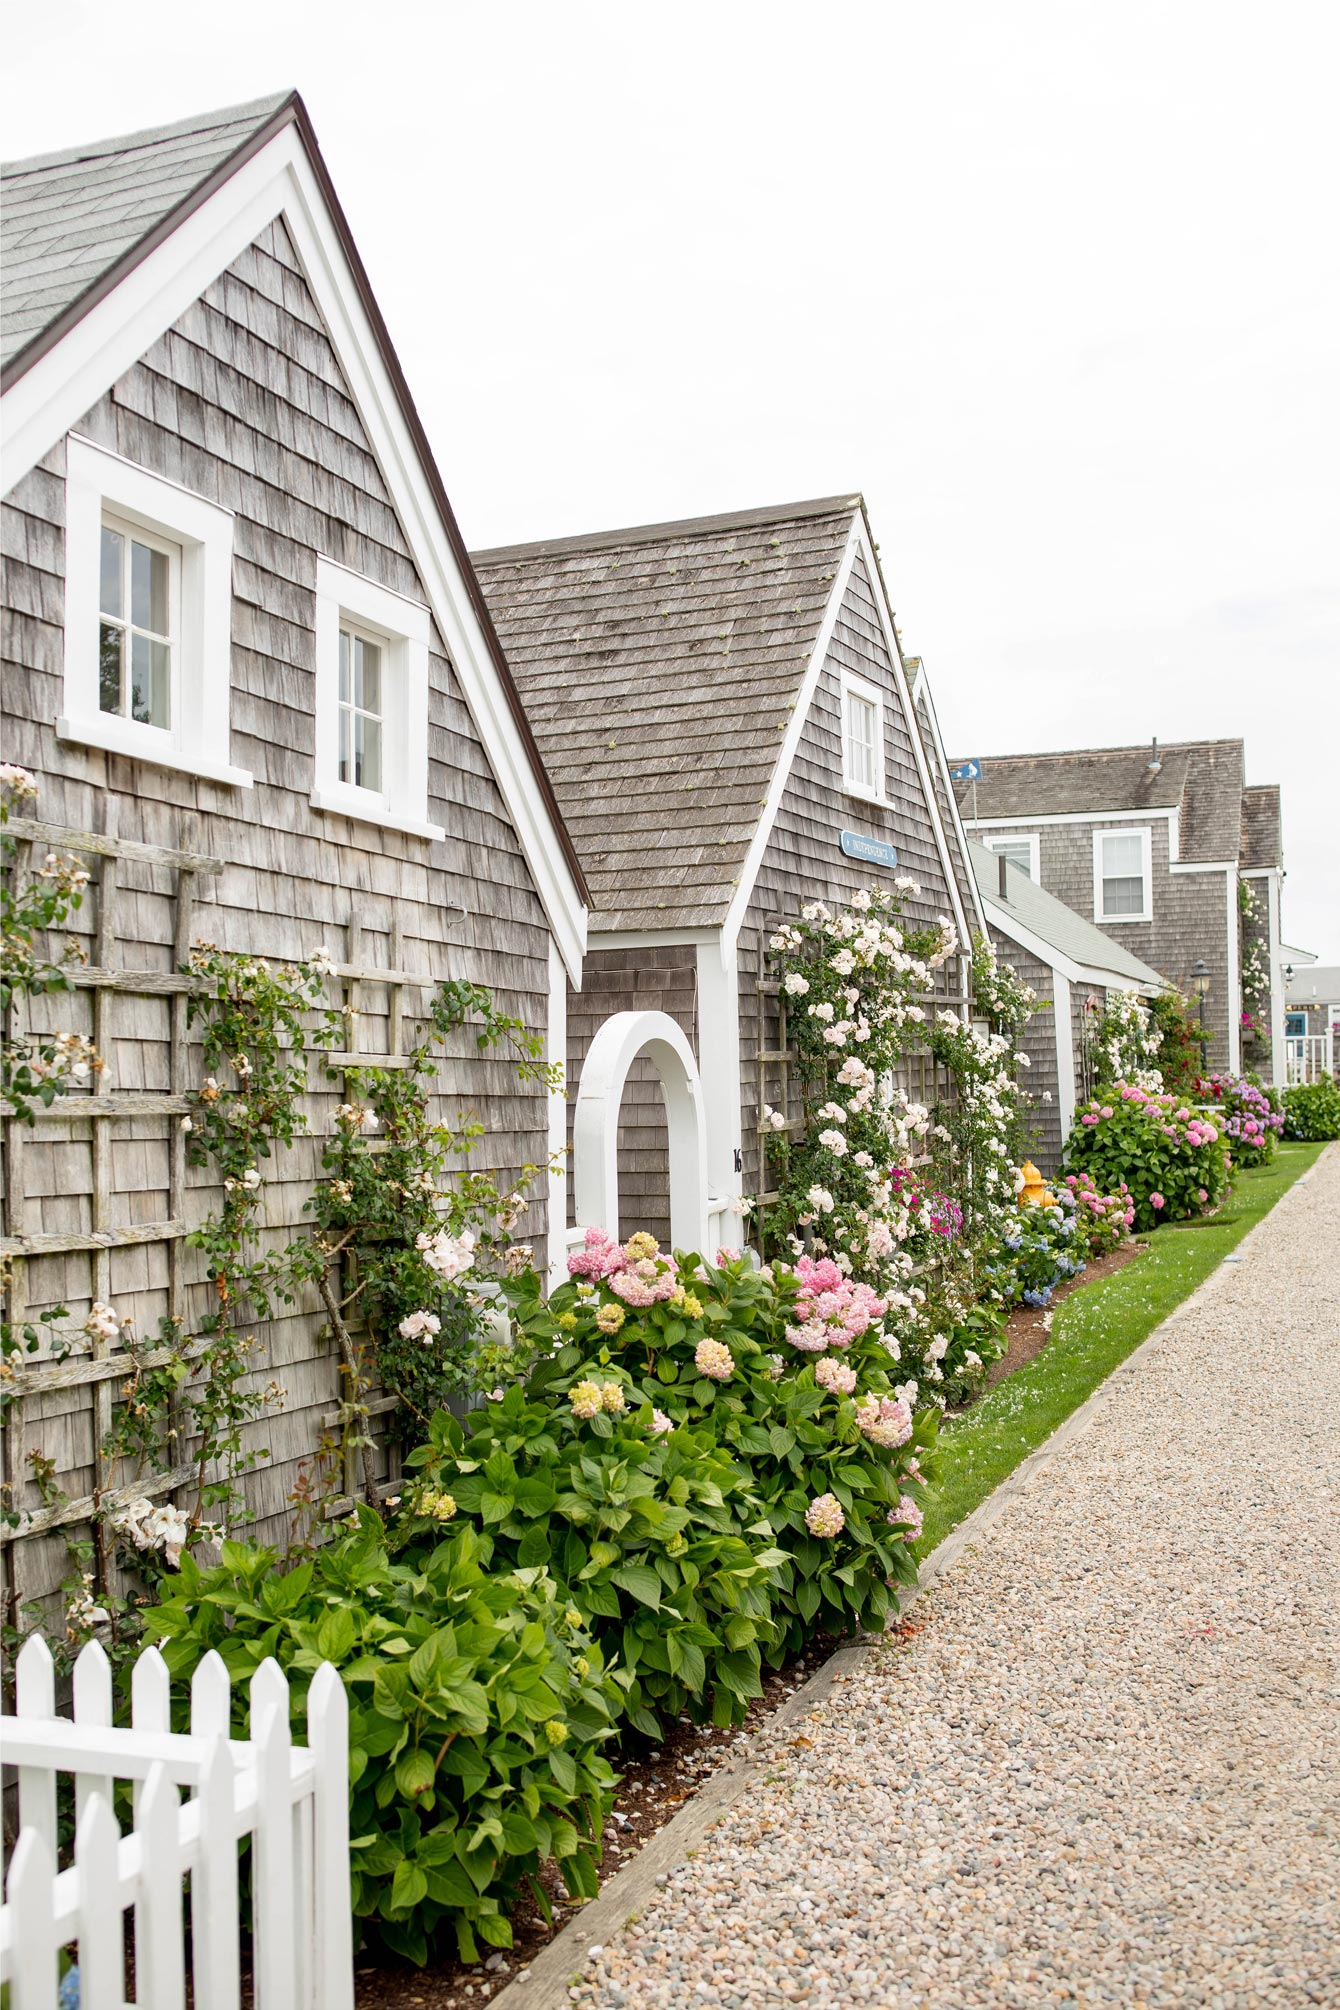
[[104, 1363]]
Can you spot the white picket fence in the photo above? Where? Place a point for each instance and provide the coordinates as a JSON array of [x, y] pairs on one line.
[[293, 1801]]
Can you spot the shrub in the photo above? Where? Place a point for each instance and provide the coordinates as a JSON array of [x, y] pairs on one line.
[[1179, 1051], [774, 1386], [1104, 1219], [1170, 1156], [1312, 1111], [1045, 1248], [644, 1530], [1252, 1116], [477, 1711]]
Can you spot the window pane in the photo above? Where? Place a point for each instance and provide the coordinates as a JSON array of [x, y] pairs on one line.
[[113, 559], [862, 718], [346, 719], [1123, 896], [148, 588], [367, 752], [368, 676], [346, 644], [150, 671], [1123, 857], [109, 669]]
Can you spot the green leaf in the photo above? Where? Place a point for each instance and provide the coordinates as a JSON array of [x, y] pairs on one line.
[[408, 1886], [641, 1581], [414, 1772]]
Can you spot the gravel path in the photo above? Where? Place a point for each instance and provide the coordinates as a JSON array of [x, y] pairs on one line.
[[1106, 1767]]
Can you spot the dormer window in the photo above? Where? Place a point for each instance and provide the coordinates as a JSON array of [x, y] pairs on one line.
[[862, 738]]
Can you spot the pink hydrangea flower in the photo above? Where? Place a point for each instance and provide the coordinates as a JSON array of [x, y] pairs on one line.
[[885, 1420], [824, 1516], [1156, 1200], [600, 1257], [907, 1516], [835, 1375], [714, 1360], [1202, 1195]]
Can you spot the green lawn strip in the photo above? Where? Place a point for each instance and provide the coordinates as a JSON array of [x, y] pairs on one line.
[[1096, 1328]]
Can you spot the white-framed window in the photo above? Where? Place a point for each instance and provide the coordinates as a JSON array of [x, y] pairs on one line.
[[862, 737], [1122, 881], [372, 648], [148, 617], [1020, 848]]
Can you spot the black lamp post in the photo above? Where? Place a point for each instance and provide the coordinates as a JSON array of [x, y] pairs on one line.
[[1200, 984]]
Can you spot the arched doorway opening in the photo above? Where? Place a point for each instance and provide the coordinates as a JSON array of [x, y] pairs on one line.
[[623, 1037]]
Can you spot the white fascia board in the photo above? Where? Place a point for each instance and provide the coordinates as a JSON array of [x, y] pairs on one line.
[[1071, 817], [556, 1051], [61, 386], [647, 938], [1229, 865], [1234, 973], [1063, 1015], [781, 774], [921, 688]]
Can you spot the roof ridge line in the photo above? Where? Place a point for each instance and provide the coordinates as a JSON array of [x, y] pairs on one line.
[[682, 527]]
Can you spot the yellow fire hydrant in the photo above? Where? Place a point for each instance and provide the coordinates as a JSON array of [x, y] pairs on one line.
[[1035, 1190]]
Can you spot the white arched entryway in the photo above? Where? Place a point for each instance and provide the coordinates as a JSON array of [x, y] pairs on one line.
[[619, 1042]]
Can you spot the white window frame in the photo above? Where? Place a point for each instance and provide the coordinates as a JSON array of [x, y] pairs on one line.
[[1000, 840], [101, 484], [1100, 837], [404, 629], [852, 686]]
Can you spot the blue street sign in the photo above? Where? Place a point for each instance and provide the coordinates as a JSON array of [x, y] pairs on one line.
[[873, 851], [967, 771]]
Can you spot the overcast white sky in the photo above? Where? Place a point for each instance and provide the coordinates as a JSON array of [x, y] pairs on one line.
[[1056, 285]]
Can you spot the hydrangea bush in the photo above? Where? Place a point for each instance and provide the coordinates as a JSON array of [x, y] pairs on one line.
[[774, 1389], [1250, 1115], [1170, 1156]]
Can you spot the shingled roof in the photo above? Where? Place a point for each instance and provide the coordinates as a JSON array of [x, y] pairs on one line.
[[1262, 828], [1201, 779], [1048, 918], [70, 220], [659, 666]]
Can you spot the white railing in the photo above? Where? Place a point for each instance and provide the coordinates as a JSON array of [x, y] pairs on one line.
[[293, 1802], [1309, 1057]]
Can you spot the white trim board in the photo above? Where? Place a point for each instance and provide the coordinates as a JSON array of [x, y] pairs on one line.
[[48, 400], [920, 686]]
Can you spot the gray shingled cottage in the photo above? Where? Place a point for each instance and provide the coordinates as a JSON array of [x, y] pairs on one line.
[[1168, 850], [724, 709], [211, 456]]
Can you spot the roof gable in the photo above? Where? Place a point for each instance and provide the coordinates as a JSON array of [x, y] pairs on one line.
[[660, 667], [276, 170]]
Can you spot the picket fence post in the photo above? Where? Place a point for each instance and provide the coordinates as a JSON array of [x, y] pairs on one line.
[[35, 1696], [92, 1709], [272, 1855], [102, 1947], [333, 1931]]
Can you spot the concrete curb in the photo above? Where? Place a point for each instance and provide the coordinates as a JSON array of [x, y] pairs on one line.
[[546, 1982]]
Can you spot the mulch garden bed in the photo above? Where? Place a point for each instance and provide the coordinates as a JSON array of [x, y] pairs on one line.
[[1029, 1327], [656, 1780]]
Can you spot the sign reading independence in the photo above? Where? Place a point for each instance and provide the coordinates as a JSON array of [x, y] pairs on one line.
[[873, 851]]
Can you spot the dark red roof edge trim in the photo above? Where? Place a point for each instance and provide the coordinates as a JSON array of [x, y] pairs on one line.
[[294, 112]]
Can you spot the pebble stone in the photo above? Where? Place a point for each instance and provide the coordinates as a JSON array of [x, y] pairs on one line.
[[1106, 1768]]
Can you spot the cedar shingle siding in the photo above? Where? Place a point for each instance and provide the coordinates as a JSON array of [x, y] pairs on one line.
[[243, 401], [803, 860]]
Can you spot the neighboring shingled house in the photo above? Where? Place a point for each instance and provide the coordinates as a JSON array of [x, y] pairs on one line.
[[724, 709], [1072, 966], [217, 493], [1168, 848]]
